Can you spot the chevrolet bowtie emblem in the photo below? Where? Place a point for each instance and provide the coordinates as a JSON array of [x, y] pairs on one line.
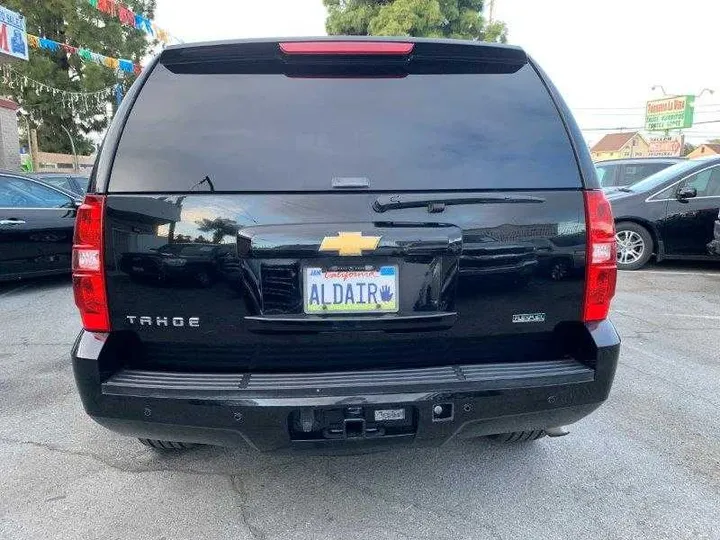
[[350, 243]]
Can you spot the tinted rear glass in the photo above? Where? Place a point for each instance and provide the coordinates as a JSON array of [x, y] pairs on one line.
[[271, 132]]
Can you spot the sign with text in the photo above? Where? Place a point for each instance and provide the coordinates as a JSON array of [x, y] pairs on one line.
[[670, 113], [665, 146], [13, 39]]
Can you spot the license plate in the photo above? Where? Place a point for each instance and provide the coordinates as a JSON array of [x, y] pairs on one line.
[[389, 414], [365, 289]]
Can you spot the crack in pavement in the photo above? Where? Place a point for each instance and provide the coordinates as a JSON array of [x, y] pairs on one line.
[[235, 481], [115, 466], [238, 487]]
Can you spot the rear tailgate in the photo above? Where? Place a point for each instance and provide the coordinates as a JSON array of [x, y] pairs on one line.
[[294, 211]]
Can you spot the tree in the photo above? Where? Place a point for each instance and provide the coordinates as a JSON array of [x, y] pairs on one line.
[[687, 148], [220, 227], [427, 18], [81, 25]]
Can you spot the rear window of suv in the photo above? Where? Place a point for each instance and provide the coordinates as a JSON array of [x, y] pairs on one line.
[[272, 132]]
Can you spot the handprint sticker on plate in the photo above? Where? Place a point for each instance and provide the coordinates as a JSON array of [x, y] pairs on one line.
[[385, 293]]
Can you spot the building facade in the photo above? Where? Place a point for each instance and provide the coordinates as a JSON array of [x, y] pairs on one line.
[[620, 145], [9, 139]]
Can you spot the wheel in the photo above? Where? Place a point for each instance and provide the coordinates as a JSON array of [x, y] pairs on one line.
[[204, 279], [519, 436], [166, 445], [559, 270], [634, 245]]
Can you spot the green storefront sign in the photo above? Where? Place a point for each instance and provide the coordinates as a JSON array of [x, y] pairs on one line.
[[670, 113]]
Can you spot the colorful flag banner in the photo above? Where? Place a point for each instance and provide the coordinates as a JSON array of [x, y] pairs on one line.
[[129, 18], [128, 66]]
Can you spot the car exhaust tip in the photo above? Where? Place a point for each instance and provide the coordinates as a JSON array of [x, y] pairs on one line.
[[560, 431]]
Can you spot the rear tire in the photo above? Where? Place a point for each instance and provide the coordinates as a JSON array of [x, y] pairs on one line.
[[519, 436], [204, 279], [166, 445], [635, 245]]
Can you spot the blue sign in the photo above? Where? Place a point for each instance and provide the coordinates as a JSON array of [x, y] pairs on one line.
[[13, 38]]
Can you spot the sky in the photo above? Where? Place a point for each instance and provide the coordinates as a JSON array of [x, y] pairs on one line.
[[603, 56]]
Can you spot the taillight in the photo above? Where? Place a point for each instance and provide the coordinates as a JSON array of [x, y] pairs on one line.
[[347, 47], [87, 265], [601, 260]]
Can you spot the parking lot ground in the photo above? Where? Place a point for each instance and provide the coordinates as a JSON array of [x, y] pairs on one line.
[[645, 465]]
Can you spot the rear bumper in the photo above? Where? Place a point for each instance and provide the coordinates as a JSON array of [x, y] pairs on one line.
[[338, 410]]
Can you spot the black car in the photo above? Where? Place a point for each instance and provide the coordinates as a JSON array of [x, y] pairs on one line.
[[670, 214], [396, 268], [36, 227], [190, 263], [74, 183], [615, 173]]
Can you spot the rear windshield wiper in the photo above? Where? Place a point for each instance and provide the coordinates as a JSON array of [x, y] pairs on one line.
[[625, 189], [437, 203]]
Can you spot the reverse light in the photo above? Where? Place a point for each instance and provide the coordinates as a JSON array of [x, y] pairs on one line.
[[601, 263], [347, 47], [87, 265]]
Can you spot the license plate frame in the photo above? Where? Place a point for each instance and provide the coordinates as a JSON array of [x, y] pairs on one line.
[[389, 308]]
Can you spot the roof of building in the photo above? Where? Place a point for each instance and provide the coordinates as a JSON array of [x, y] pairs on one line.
[[715, 147], [612, 142]]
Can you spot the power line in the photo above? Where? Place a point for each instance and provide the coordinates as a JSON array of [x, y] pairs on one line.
[[642, 127]]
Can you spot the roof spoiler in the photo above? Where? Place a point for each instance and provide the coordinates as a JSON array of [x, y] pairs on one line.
[[407, 55]]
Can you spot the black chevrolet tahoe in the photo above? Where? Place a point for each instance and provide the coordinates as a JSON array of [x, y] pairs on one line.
[[415, 247]]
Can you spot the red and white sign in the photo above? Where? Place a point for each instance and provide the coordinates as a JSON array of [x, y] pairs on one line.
[[665, 146]]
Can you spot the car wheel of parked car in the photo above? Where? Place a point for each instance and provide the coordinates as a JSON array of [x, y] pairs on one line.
[[166, 445], [519, 436], [634, 245], [559, 270], [204, 279]]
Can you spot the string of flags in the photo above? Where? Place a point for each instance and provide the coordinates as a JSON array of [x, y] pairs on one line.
[[87, 101], [121, 64], [130, 18]]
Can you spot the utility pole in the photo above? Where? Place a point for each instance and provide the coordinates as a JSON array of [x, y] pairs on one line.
[[34, 150], [491, 8]]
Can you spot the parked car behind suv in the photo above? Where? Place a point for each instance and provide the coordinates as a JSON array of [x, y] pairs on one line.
[[615, 173], [391, 265], [36, 227], [74, 183], [670, 214]]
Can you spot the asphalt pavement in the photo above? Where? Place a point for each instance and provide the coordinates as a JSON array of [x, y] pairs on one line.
[[645, 465]]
